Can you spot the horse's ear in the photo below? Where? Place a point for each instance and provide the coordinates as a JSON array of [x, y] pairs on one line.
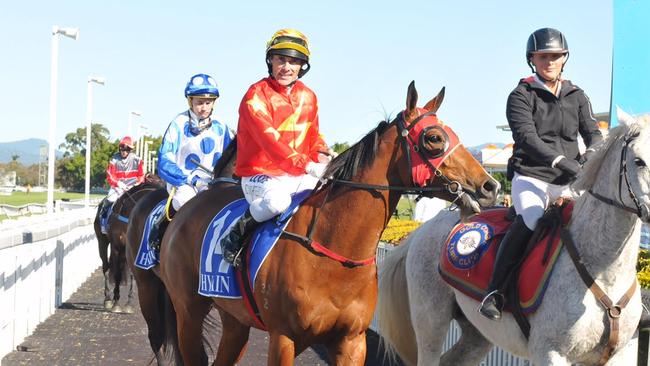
[[411, 102], [624, 117], [435, 103]]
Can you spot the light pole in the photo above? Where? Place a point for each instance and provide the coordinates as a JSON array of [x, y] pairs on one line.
[[144, 156], [151, 167], [89, 112], [54, 65], [141, 133], [132, 113]]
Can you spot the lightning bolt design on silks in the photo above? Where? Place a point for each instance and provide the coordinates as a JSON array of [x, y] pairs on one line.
[[290, 124]]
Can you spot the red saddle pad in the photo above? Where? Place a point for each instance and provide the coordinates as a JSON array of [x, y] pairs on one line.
[[468, 257]]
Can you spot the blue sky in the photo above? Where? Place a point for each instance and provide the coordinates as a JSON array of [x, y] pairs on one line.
[[364, 54]]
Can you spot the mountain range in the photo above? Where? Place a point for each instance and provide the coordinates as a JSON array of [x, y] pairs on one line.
[[27, 151]]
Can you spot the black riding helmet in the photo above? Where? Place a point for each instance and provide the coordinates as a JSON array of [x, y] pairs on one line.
[[546, 40]]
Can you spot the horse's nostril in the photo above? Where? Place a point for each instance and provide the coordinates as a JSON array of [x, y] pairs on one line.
[[491, 185]]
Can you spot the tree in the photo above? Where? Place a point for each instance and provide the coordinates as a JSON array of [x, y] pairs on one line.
[[71, 170], [505, 183], [340, 147]]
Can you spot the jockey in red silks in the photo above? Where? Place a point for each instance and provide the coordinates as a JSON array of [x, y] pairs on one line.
[[124, 171], [280, 151]]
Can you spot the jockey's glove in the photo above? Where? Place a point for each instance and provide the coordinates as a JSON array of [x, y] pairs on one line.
[[198, 180], [315, 169], [586, 156], [121, 185], [569, 167]]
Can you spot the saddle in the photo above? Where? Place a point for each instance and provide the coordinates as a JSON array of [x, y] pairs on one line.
[[469, 252]]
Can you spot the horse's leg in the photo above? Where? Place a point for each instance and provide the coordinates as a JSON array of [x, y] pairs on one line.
[[119, 260], [627, 354], [470, 349], [351, 350], [103, 243], [234, 338], [190, 319], [551, 358], [282, 350], [128, 308], [151, 292]]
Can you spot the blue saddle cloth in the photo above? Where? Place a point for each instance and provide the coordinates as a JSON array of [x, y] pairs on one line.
[[217, 277], [148, 257], [103, 220]]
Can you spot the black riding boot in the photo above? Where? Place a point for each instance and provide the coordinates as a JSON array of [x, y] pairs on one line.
[[105, 205], [232, 244], [158, 228], [510, 251]]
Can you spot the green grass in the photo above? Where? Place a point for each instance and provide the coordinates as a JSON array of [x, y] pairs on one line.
[[22, 198]]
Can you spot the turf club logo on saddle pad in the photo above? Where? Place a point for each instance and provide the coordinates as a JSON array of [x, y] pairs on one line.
[[468, 243]]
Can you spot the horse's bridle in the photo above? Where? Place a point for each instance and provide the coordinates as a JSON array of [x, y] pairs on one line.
[[641, 210], [451, 186]]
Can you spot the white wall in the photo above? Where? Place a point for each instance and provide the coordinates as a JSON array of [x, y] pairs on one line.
[[43, 260]]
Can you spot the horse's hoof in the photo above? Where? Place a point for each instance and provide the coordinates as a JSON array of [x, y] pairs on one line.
[[128, 309], [108, 304], [116, 309]]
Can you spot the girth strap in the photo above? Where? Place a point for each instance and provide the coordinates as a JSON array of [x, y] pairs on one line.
[[613, 310]]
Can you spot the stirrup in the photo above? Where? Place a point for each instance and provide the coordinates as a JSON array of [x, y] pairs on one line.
[[493, 296], [235, 261]]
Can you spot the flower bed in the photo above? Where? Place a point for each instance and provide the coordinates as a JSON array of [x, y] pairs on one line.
[[643, 268], [397, 230]]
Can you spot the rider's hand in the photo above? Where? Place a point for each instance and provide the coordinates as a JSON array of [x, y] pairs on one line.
[[121, 185], [569, 166], [198, 180], [323, 158], [315, 169], [586, 156]]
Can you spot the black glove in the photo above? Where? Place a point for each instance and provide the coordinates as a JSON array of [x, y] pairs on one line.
[[586, 156], [569, 166]]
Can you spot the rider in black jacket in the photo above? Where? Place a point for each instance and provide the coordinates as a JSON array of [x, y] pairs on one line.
[[545, 114]]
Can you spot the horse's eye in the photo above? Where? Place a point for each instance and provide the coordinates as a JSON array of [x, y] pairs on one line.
[[639, 162], [434, 139]]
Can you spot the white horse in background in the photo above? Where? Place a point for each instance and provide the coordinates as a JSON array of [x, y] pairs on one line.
[[416, 306]]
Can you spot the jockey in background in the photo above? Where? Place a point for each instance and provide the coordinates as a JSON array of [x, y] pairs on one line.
[[280, 151], [124, 171], [193, 139]]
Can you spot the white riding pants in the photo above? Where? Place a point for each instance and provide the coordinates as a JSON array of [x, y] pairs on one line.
[[270, 196], [531, 197], [183, 194], [113, 194]]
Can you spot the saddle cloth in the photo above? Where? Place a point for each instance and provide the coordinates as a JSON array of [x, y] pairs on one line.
[[469, 252], [103, 220], [148, 257], [217, 278]]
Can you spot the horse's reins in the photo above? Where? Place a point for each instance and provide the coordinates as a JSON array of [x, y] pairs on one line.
[[639, 211], [404, 134]]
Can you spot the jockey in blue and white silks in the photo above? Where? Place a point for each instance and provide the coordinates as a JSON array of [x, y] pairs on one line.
[[192, 143], [185, 146]]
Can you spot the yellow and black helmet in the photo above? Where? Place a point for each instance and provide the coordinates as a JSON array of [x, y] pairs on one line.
[[289, 42]]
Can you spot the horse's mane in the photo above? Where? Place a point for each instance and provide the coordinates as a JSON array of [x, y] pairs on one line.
[[358, 156], [227, 160], [614, 140]]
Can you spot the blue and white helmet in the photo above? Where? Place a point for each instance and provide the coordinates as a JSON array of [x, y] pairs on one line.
[[201, 85]]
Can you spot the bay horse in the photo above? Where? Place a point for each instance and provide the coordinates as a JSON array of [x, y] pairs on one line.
[[571, 325], [114, 266], [307, 298], [151, 290]]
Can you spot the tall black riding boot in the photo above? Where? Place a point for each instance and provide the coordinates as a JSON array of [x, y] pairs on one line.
[[158, 229], [509, 253], [233, 243]]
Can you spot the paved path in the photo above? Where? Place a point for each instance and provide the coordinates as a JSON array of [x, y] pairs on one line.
[[81, 332]]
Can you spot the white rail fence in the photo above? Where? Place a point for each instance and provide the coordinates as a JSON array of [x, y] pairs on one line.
[[43, 260]]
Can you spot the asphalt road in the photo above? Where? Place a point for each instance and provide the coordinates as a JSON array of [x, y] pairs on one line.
[[81, 332]]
